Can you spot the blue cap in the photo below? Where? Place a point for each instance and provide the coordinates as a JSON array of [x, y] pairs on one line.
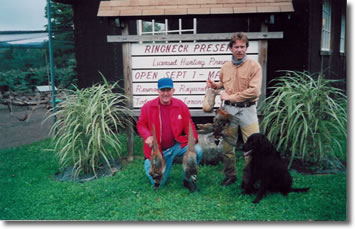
[[165, 83]]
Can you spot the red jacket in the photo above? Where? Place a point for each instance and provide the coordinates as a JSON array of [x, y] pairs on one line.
[[179, 118]]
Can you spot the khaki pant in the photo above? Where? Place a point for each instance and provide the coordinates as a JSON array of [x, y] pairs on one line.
[[247, 120]]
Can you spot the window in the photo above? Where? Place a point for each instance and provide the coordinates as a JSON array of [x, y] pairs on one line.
[[165, 27], [342, 34], [326, 25]]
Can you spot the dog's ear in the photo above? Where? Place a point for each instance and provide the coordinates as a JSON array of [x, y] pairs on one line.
[[256, 142], [266, 145]]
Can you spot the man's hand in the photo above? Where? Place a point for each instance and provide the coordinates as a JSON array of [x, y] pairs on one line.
[[149, 141], [225, 96], [211, 83]]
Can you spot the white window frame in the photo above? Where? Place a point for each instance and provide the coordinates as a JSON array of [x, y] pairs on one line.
[[326, 25], [342, 33], [165, 28]]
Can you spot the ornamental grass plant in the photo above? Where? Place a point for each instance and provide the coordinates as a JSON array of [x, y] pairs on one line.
[[85, 132], [306, 118]]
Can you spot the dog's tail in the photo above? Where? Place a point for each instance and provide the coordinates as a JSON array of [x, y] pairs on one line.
[[299, 189]]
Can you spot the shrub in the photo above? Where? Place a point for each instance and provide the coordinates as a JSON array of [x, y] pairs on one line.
[[66, 76], [85, 132], [306, 117], [18, 80]]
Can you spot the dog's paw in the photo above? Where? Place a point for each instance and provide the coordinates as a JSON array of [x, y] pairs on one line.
[[256, 201]]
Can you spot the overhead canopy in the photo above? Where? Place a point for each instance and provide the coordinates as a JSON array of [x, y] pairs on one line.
[[191, 7], [11, 36], [23, 39]]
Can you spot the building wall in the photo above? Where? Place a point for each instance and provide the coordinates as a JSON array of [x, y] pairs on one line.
[[230, 23], [298, 50], [334, 63], [93, 53]]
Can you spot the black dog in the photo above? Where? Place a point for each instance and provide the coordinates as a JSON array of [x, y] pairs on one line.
[[266, 169]]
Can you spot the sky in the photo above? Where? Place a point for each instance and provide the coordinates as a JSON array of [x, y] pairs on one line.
[[19, 15]]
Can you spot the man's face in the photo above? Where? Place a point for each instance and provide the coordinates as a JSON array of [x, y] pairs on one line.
[[239, 49], [165, 95]]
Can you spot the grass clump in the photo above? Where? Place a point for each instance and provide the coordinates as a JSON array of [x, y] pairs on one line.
[[306, 117], [85, 133]]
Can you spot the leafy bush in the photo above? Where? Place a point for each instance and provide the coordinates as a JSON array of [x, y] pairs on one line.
[[306, 117], [86, 126], [18, 80], [66, 76], [12, 79], [21, 58]]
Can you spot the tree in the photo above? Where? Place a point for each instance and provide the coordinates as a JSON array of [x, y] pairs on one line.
[[24, 68], [63, 34], [21, 59]]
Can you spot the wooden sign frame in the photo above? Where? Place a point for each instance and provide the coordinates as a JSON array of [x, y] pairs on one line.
[[178, 49]]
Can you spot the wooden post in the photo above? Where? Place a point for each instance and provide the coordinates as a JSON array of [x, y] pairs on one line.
[[263, 45], [126, 55]]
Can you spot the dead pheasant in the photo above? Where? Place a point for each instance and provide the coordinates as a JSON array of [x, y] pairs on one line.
[[221, 122], [157, 162], [190, 161], [209, 100]]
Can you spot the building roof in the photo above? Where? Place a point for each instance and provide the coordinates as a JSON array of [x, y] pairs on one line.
[[191, 7]]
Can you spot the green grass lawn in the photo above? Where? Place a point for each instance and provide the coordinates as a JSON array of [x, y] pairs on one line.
[[29, 191]]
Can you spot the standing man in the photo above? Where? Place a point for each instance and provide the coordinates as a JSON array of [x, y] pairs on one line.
[[241, 78], [171, 118]]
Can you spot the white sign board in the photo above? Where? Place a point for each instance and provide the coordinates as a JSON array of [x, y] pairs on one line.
[[188, 64]]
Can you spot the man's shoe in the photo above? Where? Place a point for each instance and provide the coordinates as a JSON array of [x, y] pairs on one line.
[[228, 181], [191, 186]]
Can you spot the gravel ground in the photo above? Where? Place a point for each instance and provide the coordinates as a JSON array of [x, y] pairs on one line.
[[14, 132]]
